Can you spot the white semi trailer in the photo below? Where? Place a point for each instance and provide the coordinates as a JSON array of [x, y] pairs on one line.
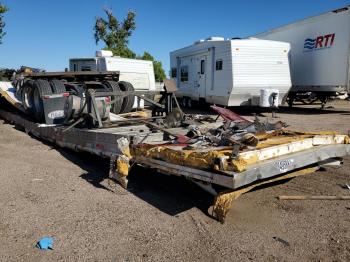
[[231, 72], [320, 54], [139, 73]]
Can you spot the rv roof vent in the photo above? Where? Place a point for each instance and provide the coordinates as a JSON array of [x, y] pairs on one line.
[[199, 41], [215, 38], [104, 53]]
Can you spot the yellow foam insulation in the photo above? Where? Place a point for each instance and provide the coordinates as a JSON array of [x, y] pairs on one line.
[[192, 158], [122, 167], [279, 144], [126, 151]]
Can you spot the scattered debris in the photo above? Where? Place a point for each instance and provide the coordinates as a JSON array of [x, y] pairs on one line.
[[346, 186], [284, 242], [45, 243], [236, 130], [179, 138], [228, 115]]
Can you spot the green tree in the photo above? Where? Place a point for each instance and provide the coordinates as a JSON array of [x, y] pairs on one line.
[[115, 34], [3, 9], [159, 73]]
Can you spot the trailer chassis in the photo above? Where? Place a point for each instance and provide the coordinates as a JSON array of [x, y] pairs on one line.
[[114, 142]]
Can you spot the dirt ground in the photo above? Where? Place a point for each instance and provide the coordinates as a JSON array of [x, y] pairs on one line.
[[48, 191]]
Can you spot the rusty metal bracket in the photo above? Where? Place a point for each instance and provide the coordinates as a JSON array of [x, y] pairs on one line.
[[95, 113]]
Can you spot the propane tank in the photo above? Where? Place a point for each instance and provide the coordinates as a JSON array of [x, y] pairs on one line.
[[269, 98]]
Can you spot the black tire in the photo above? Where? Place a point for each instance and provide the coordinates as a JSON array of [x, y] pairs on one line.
[[27, 96], [114, 87], [189, 103], [41, 88], [184, 102], [128, 101], [57, 86]]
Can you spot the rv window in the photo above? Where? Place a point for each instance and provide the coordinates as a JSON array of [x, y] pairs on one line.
[[202, 67], [218, 65], [173, 72], [85, 68], [184, 73]]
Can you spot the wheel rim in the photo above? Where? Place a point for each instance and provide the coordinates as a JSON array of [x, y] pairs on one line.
[[184, 102], [27, 98]]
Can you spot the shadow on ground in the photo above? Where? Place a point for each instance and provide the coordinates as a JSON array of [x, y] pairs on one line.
[[171, 195]]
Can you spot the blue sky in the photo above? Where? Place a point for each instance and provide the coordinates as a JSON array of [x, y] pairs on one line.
[[45, 34]]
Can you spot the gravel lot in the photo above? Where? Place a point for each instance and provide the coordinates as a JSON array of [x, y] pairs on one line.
[[48, 191]]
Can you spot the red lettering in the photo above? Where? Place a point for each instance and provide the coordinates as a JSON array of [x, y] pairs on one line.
[[332, 40], [326, 39], [319, 41]]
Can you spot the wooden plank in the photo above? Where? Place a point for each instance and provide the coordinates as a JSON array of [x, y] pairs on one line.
[[314, 197]]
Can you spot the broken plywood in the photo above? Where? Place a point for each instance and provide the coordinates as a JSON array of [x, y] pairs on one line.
[[220, 159]]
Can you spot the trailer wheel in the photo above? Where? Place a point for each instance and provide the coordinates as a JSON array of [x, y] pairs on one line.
[[186, 102], [189, 102], [183, 102], [128, 101], [291, 98], [114, 87], [41, 88], [27, 96], [57, 86]]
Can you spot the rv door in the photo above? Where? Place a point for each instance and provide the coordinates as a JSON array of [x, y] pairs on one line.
[[202, 75]]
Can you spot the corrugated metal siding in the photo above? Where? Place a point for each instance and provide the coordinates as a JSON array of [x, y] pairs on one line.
[[260, 64]]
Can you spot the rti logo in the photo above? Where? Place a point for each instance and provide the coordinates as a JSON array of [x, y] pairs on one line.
[[320, 42]]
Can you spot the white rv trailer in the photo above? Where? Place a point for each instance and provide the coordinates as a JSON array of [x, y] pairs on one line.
[[230, 72], [139, 73], [320, 52]]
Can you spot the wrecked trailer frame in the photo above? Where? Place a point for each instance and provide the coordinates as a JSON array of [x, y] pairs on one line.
[[224, 185]]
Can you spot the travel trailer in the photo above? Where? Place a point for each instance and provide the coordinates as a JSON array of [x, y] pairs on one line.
[[320, 54], [232, 72]]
